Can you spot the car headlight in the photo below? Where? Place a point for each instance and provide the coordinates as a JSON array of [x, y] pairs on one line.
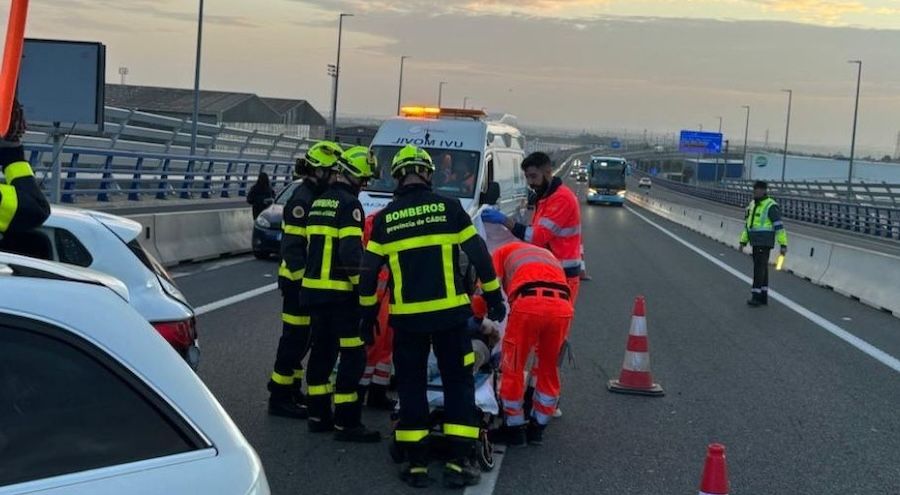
[[592, 191], [621, 194], [263, 222]]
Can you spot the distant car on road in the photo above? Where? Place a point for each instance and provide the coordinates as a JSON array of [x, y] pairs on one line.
[[110, 244], [94, 401], [267, 226], [645, 182], [582, 174]]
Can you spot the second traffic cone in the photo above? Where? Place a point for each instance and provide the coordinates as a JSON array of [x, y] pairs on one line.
[[715, 473], [635, 377]]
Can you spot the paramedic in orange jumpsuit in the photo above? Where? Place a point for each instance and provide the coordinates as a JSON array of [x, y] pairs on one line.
[[377, 375], [539, 319]]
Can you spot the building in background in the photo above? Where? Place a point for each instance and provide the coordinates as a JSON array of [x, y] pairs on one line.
[[238, 110]]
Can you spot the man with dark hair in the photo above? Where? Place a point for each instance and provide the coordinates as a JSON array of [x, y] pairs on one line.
[[763, 227], [556, 225]]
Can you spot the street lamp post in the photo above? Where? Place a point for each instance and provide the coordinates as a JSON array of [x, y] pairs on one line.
[[465, 102], [196, 112], [787, 130], [440, 92], [855, 117], [747, 134], [337, 75], [400, 86]]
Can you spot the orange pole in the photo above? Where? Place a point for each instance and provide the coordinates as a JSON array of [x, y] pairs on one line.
[[12, 59]]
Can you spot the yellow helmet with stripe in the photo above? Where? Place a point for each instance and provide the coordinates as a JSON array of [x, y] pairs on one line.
[[411, 159], [358, 162]]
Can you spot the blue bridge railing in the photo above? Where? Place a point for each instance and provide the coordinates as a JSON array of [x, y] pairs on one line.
[[873, 220], [106, 174]]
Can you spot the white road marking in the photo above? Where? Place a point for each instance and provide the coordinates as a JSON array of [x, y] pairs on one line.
[[228, 301], [862, 345], [213, 265], [489, 479]]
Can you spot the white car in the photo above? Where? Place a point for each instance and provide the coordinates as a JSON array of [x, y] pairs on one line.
[[110, 244], [645, 182], [95, 403]]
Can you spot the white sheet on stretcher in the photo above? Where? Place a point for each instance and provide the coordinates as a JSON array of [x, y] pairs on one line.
[[485, 397]]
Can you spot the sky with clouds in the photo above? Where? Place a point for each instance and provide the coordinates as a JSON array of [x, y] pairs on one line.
[[660, 65]]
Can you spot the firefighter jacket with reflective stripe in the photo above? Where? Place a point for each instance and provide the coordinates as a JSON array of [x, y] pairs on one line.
[[334, 232], [521, 265], [419, 236], [556, 226], [763, 225], [22, 204], [293, 226]]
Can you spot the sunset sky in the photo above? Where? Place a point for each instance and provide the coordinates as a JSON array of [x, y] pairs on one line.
[[660, 65]]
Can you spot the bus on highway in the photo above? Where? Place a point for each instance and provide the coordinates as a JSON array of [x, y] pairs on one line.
[[606, 180]]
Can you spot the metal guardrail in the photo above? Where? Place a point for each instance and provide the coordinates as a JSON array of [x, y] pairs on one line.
[[873, 220], [858, 192]]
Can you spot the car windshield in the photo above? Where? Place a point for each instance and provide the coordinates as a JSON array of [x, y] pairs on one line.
[[456, 171], [607, 173], [286, 194]]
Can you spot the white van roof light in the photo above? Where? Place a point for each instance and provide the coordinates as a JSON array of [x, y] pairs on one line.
[[437, 113]]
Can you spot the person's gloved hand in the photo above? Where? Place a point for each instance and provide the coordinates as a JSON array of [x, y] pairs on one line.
[[368, 327], [783, 250], [491, 215], [497, 312], [13, 137]]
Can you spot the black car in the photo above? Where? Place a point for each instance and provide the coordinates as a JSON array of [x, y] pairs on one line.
[[267, 227]]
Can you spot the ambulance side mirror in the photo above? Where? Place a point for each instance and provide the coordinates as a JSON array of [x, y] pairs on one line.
[[492, 195]]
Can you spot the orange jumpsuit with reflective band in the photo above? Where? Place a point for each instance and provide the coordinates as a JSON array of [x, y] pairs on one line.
[[379, 355], [540, 315], [556, 226]]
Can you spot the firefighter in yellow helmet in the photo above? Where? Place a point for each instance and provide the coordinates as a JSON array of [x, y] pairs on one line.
[[334, 231], [419, 236], [22, 204], [285, 386]]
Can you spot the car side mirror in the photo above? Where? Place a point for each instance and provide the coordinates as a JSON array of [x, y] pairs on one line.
[[492, 195]]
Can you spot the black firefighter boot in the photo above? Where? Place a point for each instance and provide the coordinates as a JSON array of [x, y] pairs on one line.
[[756, 300], [462, 471], [415, 472], [282, 403], [377, 398], [346, 415], [535, 433]]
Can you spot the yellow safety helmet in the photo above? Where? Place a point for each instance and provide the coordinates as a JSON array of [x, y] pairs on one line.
[[411, 157], [323, 154], [358, 162]]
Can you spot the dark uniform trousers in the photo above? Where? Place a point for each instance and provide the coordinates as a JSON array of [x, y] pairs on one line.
[[295, 332], [761, 271], [453, 348], [335, 332]]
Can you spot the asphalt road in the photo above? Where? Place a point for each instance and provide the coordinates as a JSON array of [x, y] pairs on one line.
[[799, 410]]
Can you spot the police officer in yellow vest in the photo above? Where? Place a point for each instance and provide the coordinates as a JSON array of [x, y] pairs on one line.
[[285, 385], [762, 229], [22, 204], [334, 229], [420, 236]]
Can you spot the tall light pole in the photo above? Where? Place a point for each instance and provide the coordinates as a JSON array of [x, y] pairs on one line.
[[440, 92], [337, 75], [465, 102], [400, 85], [855, 116], [787, 130], [747, 134], [196, 113]]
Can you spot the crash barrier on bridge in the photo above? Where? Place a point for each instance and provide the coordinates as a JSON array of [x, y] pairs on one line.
[[714, 480], [864, 274], [107, 175], [196, 235], [858, 193], [877, 221], [139, 154]]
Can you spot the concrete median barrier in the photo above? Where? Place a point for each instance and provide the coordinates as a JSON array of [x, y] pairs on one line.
[[870, 276]]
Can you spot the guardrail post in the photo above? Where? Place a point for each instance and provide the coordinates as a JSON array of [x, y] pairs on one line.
[[207, 181], [69, 183], [106, 179], [242, 189], [188, 180], [162, 191], [227, 182], [135, 194]]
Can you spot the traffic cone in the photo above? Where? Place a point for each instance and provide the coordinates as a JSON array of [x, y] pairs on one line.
[[715, 472], [635, 377]]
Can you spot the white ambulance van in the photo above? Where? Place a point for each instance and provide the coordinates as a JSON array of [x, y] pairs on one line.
[[476, 160]]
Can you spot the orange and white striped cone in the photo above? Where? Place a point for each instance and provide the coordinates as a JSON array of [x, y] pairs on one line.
[[635, 377], [714, 480]]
